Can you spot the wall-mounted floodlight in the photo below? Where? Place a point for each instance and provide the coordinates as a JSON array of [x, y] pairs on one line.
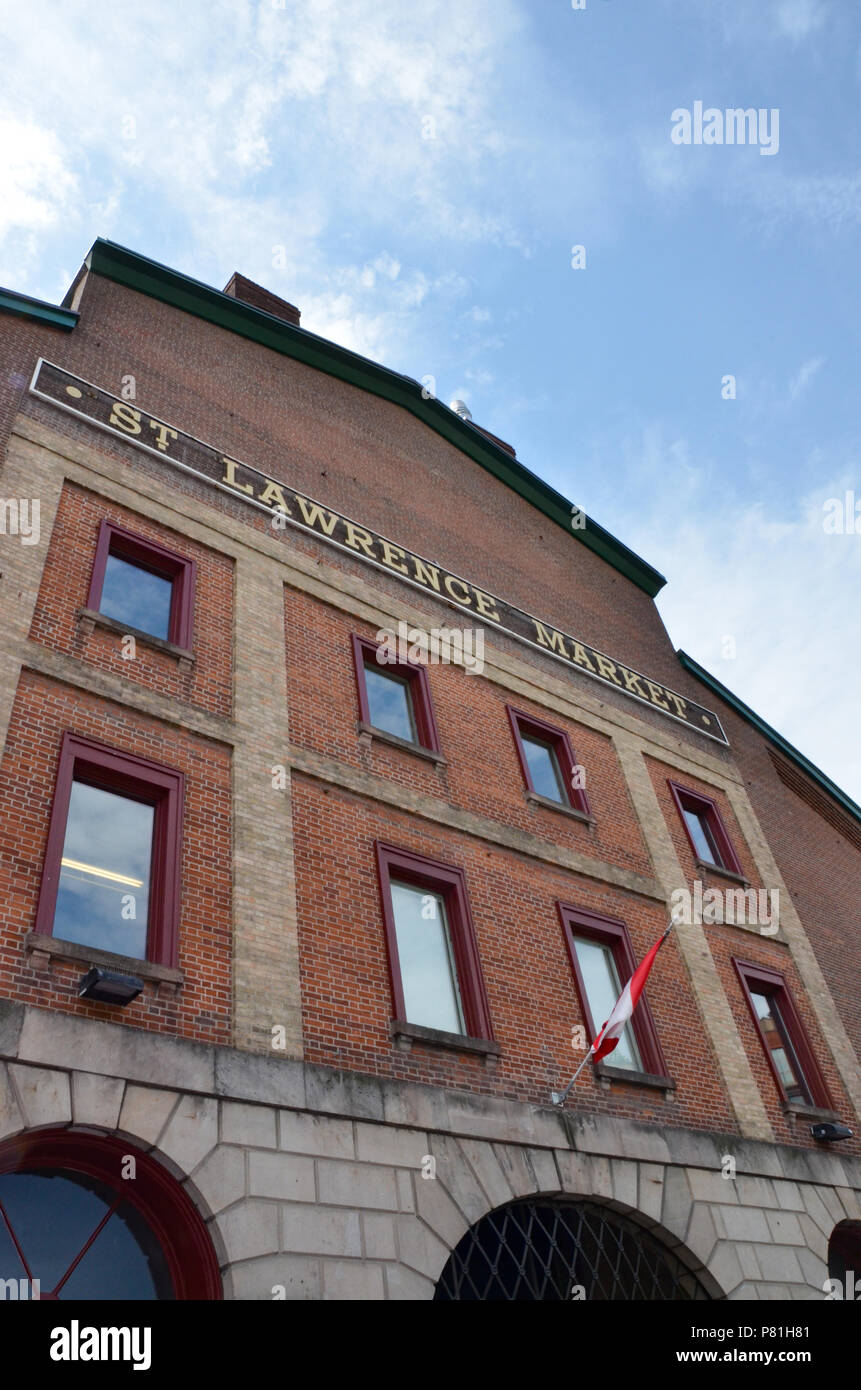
[[828, 1133], [108, 987]]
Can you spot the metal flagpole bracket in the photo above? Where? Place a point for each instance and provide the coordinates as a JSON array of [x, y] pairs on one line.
[[559, 1098]]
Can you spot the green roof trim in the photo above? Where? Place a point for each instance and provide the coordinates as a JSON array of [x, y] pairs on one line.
[[846, 802], [26, 307], [160, 282]]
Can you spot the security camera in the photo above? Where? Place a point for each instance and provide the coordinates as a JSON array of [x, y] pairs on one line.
[[828, 1132]]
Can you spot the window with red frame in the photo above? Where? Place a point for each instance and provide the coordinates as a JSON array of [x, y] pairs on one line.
[[143, 585], [112, 862], [550, 769], [705, 830], [394, 697], [433, 956], [602, 961], [71, 1221], [781, 1032]]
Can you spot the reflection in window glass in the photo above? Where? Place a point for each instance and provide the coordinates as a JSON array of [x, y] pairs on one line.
[[544, 768], [389, 703], [428, 976], [780, 1048], [103, 894], [601, 982], [55, 1214], [701, 836], [136, 596]]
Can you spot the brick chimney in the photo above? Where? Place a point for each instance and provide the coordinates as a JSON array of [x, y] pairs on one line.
[[246, 290]]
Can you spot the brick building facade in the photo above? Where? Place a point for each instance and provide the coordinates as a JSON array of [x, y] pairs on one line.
[[308, 1133]]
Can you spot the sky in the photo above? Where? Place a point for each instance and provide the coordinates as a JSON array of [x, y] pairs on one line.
[[418, 179]]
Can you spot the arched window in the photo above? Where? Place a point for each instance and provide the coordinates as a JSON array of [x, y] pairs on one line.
[[546, 1249], [78, 1220], [844, 1258]]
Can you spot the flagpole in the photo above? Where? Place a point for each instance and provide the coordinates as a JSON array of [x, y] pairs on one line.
[[560, 1099]]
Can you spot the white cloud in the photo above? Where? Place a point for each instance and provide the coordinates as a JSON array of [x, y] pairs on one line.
[[768, 576], [803, 377], [253, 127], [665, 167], [831, 201], [35, 178], [479, 377], [774, 21], [772, 586], [795, 19]]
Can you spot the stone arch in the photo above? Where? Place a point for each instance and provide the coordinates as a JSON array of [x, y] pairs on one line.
[[474, 1177], [160, 1203], [178, 1130]]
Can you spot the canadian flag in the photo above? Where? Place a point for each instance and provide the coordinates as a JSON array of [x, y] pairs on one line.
[[625, 1005]]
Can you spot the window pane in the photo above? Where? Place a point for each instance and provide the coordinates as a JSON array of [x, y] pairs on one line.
[[601, 981], [431, 995], [544, 769], [136, 596], [103, 896], [701, 836], [390, 703], [54, 1214], [780, 1048]]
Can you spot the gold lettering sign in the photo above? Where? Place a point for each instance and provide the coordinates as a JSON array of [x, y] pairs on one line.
[[252, 487]]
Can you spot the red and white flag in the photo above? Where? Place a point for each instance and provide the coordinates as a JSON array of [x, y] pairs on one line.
[[625, 1004]]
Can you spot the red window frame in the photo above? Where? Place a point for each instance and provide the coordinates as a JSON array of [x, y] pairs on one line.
[[165, 1206], [760, 979], [419, 688], [609, 931], [576, 798], [125, 545], [450, 882], [685, 799], [82, 759]]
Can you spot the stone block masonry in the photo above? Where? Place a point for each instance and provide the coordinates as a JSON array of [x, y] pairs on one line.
[[313, 1204]]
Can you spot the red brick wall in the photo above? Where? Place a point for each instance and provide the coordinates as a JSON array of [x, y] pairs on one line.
[[43, 711], [65, 586], [727, 942], [347, 1002], [660, 772], [821, 867], [482, 772], [380, 465], [22, 343]]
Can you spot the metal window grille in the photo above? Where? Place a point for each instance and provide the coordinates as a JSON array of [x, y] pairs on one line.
[[535, 1250]]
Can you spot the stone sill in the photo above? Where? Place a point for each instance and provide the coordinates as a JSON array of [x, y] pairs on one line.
[[723, 873], [808, 1112], [551, 805], [606, 1075], [368, 733], [88, 618], [166, 977], [405, 1034]]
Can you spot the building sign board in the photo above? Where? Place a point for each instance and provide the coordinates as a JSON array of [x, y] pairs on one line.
[[129, 422]]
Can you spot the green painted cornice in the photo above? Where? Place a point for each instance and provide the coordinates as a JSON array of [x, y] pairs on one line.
[[26, 307]]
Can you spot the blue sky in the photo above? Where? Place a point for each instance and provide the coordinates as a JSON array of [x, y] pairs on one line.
[[415, 176]]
